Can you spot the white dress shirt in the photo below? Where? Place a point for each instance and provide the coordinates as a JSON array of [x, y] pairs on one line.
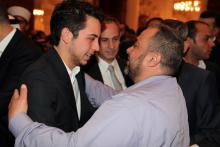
[[106, 76], [72, 73], [4, 43]]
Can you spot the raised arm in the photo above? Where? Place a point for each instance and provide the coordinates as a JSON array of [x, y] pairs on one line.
[[97, 92]]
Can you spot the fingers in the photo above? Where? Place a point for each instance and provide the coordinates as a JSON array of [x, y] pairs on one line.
[[14, 96], [18, 102], [23, 91]]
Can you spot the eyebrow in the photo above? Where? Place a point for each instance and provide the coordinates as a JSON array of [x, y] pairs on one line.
[[94, 35]]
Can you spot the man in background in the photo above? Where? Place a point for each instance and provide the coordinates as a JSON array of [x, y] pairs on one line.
[[22, 15], [212, 19], [16, 53], [201, 94], [106, 66]]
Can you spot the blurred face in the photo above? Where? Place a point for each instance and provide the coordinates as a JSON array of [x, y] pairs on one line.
[[86, 43], [204, 41], [109, 42], [138, 52], [24, 26], [212, 24]]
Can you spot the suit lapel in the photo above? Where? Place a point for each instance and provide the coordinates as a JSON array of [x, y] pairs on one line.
[[97, 73], [87, 109], [62, 77]]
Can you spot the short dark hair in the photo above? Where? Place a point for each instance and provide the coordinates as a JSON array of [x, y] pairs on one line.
[[153, 19], [175, 24], [110, 19], [192, 30], [72, 15], [208, 14], [3, 15], [169, 44], [178, 26]]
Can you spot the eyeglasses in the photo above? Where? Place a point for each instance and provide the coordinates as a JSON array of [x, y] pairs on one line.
[[209, 38], [212, 38]]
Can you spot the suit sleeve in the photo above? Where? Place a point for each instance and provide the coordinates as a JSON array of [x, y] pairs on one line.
[[41, 97], [208, 114]]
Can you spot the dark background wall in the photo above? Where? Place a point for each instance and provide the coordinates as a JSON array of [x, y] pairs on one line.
[[115, 8], [214, 5]]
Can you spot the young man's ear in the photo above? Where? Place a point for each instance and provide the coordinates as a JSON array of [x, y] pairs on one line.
[[66, 36], [152, 59]]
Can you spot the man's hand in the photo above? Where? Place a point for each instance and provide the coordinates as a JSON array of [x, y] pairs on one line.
[[18, 102]]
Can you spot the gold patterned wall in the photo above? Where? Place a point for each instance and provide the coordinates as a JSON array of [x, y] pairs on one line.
[[164, 9]]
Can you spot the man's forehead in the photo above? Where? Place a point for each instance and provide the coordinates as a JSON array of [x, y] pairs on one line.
[[201, 27], [148, 33], [209, 20]]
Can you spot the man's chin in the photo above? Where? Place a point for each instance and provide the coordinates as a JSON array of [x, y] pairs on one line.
[[84, 62]]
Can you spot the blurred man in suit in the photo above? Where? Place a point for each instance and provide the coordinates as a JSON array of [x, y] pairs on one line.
[[201, 94], [16, 53]]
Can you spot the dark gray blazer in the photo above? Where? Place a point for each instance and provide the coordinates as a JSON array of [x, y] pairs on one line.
[[201, 95]]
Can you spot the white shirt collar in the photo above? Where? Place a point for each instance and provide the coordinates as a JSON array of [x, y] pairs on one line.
[[4, 43], [72, 73], [105, 65], [202, 64]]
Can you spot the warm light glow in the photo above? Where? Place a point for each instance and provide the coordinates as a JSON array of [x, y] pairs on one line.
[[196, 3], [38, 12], [197, 9], [193, 5]]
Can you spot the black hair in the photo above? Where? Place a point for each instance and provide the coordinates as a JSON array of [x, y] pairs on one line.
[[72, 15]]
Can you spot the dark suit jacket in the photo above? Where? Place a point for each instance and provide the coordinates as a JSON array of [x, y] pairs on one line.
[[214, 68], [200, 92], [19, 53], [215, 54], [92, 68], [51, 97]]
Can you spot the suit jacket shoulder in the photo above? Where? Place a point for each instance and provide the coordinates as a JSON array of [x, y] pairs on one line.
[[201, 95]]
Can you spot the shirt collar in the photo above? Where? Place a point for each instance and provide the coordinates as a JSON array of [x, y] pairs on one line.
[[6, 40], [105, 65], [149, 80], [202, 64], [72, 73]]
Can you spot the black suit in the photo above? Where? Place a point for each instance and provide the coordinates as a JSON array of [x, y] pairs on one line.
[[214, 68], [19, 53], [200, 91], [92, 68], [51, 97]]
